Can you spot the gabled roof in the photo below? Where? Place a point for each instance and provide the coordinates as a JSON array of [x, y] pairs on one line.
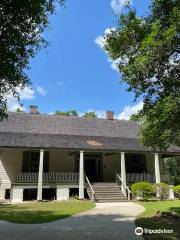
[[68, 125], [52, 131]]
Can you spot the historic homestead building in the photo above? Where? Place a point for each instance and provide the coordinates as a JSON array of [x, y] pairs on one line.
[[50, 157]]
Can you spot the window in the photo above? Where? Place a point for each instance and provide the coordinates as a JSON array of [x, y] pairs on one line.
[[31, 161], [34, 162], [135, 163]]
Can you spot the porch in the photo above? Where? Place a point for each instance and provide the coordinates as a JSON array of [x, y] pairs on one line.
[[63, 170]]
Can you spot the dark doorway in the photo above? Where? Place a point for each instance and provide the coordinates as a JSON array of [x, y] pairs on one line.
[[93, 163], [30, 194], [7, 193], [49, 194]]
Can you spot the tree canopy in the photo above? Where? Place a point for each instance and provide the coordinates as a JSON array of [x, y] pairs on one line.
[[90, 115], [67, 113], [146, 51], [21, 26]]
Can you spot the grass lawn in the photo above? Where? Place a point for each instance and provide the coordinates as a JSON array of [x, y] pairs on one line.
[[147, 219], [40, 212]]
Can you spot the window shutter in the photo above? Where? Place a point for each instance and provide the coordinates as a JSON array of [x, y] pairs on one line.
[[26, 161], [46, 162], [144, 167]]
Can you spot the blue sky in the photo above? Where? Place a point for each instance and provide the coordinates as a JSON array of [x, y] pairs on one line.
[[74, 72]]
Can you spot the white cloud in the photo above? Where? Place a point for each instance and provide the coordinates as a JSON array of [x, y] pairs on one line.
[[41, 90], [100, 113], [117, 5], [129, 110], [100, 40], [13, 105], [26, 94]]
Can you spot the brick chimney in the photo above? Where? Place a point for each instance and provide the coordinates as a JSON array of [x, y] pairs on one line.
[[110, 115], [33, 109]]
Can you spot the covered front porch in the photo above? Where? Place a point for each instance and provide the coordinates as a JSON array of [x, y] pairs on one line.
[[61, 171]]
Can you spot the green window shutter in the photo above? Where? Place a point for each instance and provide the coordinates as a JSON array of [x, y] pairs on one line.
[[26, 161]]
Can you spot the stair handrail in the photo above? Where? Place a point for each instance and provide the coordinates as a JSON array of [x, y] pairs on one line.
[[92, 190], [125, 186]]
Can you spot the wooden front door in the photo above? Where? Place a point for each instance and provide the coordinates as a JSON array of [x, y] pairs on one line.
[[93, 166]]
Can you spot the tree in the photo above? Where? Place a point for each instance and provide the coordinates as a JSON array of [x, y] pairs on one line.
[[90, 115], [134, 118], [21, 28], [73, 113], [20, 108], [67, 113], [172, 168], [146, 51]]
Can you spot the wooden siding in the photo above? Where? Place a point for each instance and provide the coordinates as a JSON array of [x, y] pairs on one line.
[[10, 165]]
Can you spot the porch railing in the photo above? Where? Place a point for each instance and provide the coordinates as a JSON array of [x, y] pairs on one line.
[[127, 190], [92, 192], [137, 177], [48, 177]]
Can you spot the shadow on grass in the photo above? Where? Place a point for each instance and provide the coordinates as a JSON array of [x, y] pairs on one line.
[[32, 217], [152, 223], [175, 209], [41, 212]]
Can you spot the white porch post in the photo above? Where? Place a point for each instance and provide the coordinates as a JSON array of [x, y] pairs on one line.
[[123, 172], [157, 170], [40, 175], [81, 175]]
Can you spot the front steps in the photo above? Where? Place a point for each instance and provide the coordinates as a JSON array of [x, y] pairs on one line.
[[107, 192]]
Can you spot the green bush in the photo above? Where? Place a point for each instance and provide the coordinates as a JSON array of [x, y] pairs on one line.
[[177, 191], [176, 181], [162, 189], [142, 190]]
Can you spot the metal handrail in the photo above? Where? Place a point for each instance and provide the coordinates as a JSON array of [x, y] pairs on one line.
[[92, 190], [126, 187]]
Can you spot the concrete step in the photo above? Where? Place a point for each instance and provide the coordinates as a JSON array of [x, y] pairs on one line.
[[110, 200], [107, 188], [104, 192], [107, 192], [109, 196], [105, 197]]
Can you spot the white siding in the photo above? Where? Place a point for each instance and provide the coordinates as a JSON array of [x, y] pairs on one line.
[[61, 161], [10, 165]]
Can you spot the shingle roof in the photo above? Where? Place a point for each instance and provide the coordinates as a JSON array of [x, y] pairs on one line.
[[51, 131], [68, 125]]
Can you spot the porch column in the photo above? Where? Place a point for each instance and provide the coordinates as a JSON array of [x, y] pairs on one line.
[[157, 170], [123, 172], [40, 175], [81, 175]]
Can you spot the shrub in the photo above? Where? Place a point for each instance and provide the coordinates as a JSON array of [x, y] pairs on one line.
[[162, 189], [176, 181], [177, 191], [142, 190]]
